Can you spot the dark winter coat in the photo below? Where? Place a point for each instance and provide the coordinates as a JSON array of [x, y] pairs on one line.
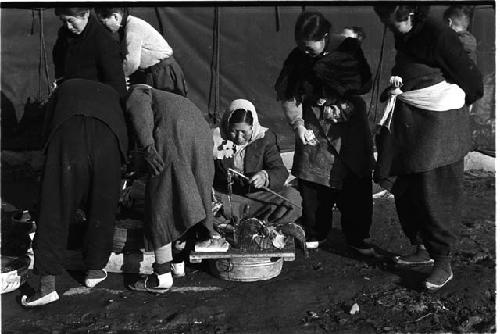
[[181, 196], [92, 55], [262, 154], [338, 76], [422, 140], [89, 98]]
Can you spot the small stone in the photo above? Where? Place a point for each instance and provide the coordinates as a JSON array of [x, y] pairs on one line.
[[354, 309], [313, 315]]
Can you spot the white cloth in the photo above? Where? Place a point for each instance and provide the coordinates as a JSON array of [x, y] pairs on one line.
[[145, 46], [239, 158], [440, 97]]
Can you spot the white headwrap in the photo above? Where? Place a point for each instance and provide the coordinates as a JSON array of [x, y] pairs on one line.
[[221, 132]]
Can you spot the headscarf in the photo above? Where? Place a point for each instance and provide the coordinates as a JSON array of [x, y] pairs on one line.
[[221, 133], [258, 131]]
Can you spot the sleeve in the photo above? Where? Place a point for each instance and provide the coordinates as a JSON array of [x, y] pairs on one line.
[[134, 49], [273, 164], [288, 84], [109, 63], [140, 113], [458, 67], [293, 112]]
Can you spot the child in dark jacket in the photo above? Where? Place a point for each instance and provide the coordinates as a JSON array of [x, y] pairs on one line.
[[458, 18]]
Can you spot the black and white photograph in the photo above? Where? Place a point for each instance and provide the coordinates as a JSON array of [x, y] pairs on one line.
[[248, 167]]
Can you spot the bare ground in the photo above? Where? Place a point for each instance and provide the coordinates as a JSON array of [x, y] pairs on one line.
[[311, 295]]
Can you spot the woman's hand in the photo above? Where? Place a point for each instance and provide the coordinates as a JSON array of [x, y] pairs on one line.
[[154, 160], [259, 180], [306, 136]]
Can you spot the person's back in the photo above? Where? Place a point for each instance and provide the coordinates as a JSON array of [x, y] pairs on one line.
[[145, 45]]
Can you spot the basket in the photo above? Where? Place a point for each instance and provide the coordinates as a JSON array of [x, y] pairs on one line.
[[246, 269]]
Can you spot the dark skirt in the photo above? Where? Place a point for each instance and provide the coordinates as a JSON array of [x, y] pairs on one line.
[[166, 75], [420, 141]]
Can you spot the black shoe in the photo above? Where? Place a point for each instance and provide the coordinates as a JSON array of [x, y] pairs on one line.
[[419, 258], [440, 275], [363, 248]]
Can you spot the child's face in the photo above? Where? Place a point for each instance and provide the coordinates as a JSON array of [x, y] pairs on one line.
[[401, 27], [312, 48], [75, 24], [112, 23], [240, 133]]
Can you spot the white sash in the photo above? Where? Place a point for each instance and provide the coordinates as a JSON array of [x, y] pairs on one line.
[[439, 97]]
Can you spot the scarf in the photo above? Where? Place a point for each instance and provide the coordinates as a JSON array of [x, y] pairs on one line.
[[223, 146], [440, 97]]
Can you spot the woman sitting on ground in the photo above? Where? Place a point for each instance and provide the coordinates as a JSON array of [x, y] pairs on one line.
[[148, 58], [241, 144]]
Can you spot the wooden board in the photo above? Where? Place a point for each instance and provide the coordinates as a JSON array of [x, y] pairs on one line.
[[287, 253]]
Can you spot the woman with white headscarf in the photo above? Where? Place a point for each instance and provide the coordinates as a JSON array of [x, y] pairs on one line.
[[242, 144]]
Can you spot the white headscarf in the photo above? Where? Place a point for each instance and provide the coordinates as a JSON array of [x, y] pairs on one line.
[[221, 133]]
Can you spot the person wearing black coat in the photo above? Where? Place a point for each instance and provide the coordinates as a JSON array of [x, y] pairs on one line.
[[85, 49], [86, 143], [319, 87], [421, 147]]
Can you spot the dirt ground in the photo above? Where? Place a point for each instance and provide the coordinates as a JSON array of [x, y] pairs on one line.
[[311, 295]]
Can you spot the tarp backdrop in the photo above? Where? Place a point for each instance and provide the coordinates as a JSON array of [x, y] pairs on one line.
[[226, 52]]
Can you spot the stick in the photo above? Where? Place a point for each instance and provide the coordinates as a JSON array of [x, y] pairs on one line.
[[265, 188]]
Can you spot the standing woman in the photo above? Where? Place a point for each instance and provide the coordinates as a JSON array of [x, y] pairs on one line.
[[426, 134], [318, 88], [85, 50], [148, 58]]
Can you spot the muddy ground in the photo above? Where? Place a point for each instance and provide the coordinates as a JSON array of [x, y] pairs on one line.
[[311, 295]]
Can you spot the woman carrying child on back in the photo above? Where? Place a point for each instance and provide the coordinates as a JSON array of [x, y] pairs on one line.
[[148, 58]]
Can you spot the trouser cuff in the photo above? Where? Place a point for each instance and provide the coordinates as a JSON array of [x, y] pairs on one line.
[[161, 268]]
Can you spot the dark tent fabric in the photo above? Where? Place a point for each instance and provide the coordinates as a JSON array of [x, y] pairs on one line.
[[226, 52]]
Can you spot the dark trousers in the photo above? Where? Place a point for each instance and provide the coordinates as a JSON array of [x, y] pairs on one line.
[[82, 171], [354, 202], [429, 205]]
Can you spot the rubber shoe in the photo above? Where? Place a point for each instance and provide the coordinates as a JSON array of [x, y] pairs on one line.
[[419, 258], [177, 269], [438, 278], [91, 280], [314, 244], [40, 301]]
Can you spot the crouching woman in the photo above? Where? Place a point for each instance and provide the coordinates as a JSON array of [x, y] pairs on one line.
[[243, 145]]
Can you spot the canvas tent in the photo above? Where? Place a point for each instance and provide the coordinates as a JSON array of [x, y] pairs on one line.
[[226, 51]]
